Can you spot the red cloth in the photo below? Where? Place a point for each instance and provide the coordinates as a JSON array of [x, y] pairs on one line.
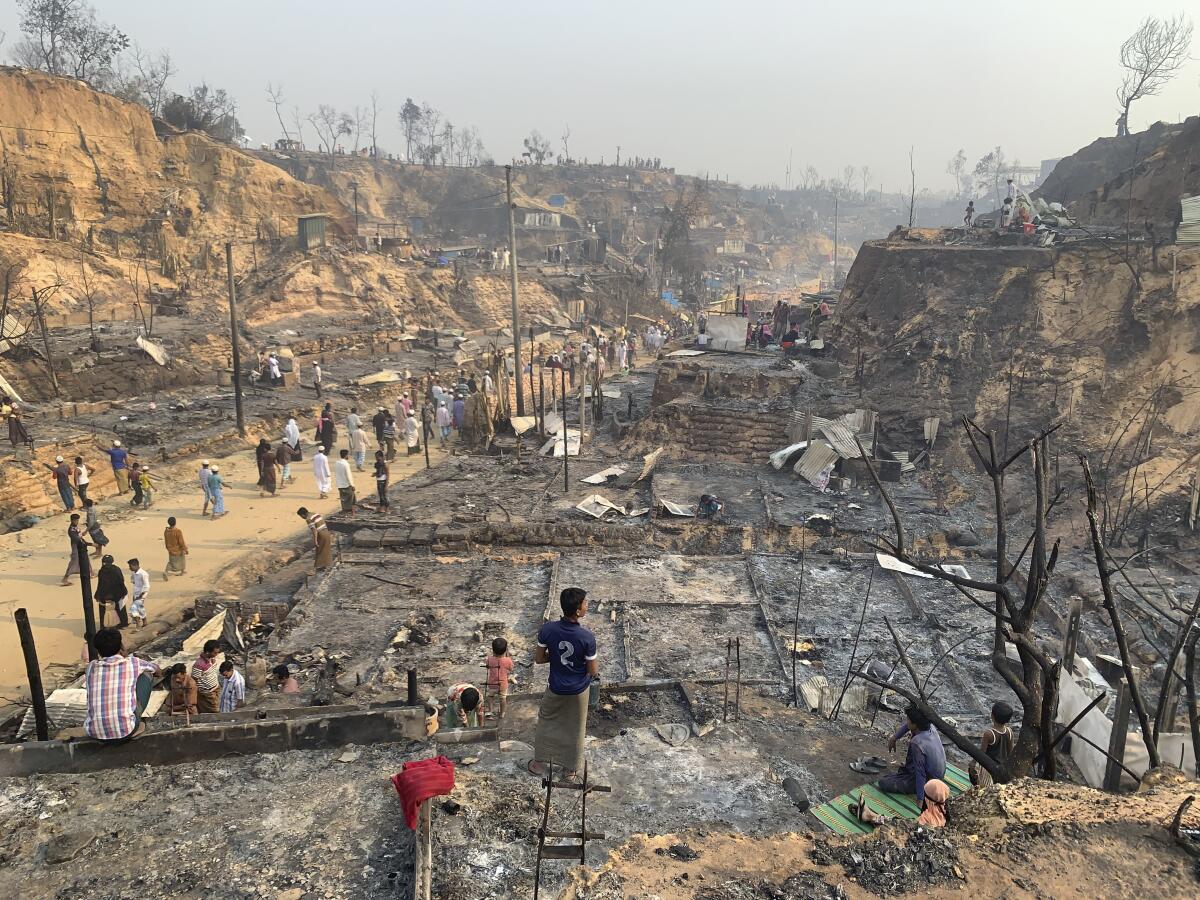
[[420, 780]]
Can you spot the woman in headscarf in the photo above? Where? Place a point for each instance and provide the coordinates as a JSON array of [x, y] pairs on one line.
[[216, 487], [260, 455], [111, 591], [934, 813], [266, 472]]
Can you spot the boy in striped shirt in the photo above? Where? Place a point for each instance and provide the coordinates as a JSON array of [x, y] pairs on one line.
[[118, 689]]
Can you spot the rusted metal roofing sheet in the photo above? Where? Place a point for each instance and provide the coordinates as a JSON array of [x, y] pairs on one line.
[[815, 459]]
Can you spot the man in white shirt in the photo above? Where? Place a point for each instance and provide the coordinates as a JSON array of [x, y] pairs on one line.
[[82, 477], [344, 479], [316, 370], [273, 369], [140, 580]]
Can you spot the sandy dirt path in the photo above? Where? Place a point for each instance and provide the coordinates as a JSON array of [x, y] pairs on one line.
[[34, 559]]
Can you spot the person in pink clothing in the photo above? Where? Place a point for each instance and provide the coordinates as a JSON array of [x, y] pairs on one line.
[[499, 670]]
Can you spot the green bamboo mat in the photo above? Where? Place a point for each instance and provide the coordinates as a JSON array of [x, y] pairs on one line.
[[836, 816]]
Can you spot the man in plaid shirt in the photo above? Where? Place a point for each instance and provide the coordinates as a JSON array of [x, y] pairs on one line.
[[118, 689]]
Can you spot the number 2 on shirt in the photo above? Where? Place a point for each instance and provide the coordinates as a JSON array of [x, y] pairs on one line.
[[567, 650]]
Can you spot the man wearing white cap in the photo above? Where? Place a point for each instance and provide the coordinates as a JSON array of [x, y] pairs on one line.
[[64, 476], [119, 457], [205, 473]]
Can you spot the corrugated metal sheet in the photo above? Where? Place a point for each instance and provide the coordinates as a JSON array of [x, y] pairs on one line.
[[842, 440], [814, 461], [1189, 228]]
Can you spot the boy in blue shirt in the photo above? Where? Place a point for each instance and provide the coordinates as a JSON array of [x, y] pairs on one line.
[[570, 649]]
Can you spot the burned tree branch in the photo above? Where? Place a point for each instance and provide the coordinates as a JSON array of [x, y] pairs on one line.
[[1161, 711], [1110, 606]]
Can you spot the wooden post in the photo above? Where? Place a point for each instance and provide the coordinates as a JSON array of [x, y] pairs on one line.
[[34, 673], [542, 397], [233, 337], [1071, 639], [89, 609], [423, 853], [1116, 742], [512, 280], [562, 373]]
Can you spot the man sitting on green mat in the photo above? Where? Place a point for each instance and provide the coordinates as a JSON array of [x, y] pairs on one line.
[[925, 761]]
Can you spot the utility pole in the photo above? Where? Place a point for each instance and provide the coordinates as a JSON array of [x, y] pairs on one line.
[[33, 671], [233, 338], [562, 374], [512, 280]]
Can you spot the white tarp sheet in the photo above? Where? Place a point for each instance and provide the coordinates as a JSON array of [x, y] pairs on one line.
[[597, 506], [726, 332], [686, 352], [604, 474], [522, 424], [677, 509], [155, 351], [555, 444], [386, 376]]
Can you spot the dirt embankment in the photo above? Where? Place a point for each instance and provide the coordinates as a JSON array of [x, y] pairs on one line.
[[947, 331], [1163, 163]]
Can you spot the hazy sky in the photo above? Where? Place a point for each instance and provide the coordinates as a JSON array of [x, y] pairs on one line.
[[725, 87]]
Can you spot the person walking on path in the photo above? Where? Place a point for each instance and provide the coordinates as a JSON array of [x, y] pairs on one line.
[[326, 432], [92, 524], [291, 436], [358, 446], [82, 478], [382, 474], [444, 421], [389, 437], [118, 457], [203, 476], [283, 459], [217, 488], [146, 481], [412, 434], [78, 545], [322, 542], [317, 378], [111, 591], [321, 472], [140, 580], [570, 649], [460, 410], [378, 421], [353, 426], [135, 483], [267, 461], [427, 421], [64, 480], [177, 549], [343, 478]]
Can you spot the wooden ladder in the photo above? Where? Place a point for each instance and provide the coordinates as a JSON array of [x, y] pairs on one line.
[[574, 851]]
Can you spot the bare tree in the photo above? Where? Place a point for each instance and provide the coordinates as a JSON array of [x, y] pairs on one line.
[[330, 125], [1151, 57], [431, 127], [275, 95], [410, 119], [87, 290], [989, 170], [374, 124], [448, 136], [358, 123], [1014, 610], [810, 178], [298, 122], [912, 196], [142, 77], [957, 167], [848, 174], [864, 172], [63, 37], [566, 136], [537, 148], [141, 302]]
